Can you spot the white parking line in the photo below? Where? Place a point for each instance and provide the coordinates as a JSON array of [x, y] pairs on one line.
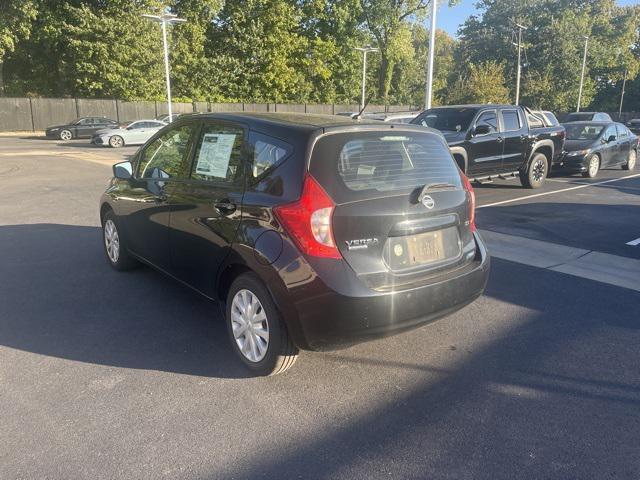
[[635, 242], [526, 197]]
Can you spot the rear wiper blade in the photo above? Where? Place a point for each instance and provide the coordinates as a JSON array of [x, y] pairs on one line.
[[437, 186]]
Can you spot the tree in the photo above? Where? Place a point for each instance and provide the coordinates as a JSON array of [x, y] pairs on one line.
[[15, 24], [483, 83], [553, 44]]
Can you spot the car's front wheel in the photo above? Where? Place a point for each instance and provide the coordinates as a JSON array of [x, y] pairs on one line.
[[593, 167], [114, 246], [116, 141], [256, 329], [65, 135], [536, 172], [631, 161]]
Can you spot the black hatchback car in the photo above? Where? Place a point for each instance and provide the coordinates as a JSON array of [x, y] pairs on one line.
[[312, 232]]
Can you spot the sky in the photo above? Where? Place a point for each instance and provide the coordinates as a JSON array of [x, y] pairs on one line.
[[450, 18]]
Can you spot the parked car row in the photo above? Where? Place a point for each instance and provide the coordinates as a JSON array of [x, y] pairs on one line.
[[108, 132], [494, 141]]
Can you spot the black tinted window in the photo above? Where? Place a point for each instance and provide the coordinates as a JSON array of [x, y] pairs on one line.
[[622, 131], [166, 156], [218, 156], [446, 119], [368, 164], [268, 152], [510, 120], [489, 119]]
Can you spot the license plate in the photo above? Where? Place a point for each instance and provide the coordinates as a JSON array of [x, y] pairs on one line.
[[417, 249]]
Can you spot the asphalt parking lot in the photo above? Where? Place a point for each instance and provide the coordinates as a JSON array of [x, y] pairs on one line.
[[111, 375]]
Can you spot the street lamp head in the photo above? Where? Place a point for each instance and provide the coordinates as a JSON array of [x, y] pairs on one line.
[[367, 48], [165, 17]]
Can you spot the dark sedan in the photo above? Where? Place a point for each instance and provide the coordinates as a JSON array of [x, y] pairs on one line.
[[83, 127], [591, 146]]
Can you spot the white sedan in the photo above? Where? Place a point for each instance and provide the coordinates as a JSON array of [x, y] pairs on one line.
[[136, 133]]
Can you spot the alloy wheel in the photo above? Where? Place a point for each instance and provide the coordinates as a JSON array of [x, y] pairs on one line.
[[111, 241], [65, 135], [116, 141], [594, 164], [249, 325], [538, 170], [631, 161]]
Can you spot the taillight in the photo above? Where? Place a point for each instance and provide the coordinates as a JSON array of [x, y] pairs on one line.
[[308, 221], [472, 201]]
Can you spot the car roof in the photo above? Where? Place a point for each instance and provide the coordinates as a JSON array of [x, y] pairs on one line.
[[298, 121], [306, 123], [590, 122], [477, 105]]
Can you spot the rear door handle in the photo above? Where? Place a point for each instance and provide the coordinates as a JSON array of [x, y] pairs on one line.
[[225, 207]]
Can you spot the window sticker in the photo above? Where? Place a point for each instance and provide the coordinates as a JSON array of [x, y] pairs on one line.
[[215, 154]]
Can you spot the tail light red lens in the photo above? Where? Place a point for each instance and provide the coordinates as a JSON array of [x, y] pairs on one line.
[[308, 221], [472, 201]]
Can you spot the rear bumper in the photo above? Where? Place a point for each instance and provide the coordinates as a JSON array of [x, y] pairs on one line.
[[334, 320]]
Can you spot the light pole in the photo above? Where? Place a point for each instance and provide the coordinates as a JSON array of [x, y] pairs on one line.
[[366, 49], [163, 20], [432, 50], [519, 69], [624, 83], [584, 65]]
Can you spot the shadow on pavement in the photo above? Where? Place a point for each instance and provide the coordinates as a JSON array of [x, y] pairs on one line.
[[59, 297], [555, 396]]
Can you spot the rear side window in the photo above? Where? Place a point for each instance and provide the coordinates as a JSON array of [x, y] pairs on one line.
[[268, 152], [373, 164], [534, 121], [510, 120]]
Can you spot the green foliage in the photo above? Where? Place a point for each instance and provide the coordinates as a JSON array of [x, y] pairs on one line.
[[304, 51], [482, 83], [554, 42]]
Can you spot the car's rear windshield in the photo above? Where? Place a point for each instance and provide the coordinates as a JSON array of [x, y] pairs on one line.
[[357, 166], [446, 119], [583, 132], [577, 117]]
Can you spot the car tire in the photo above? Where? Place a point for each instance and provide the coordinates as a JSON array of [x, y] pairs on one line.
[[631, 161], [116, 141], [593, 167], [114, 246], [536, 171], [65, 135], [257, 332]]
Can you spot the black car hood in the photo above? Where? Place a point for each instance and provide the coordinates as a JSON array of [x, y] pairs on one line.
[[56, 126], [454, 137], [572, 145]]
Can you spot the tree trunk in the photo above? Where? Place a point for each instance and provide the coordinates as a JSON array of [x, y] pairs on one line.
[[384, 79]]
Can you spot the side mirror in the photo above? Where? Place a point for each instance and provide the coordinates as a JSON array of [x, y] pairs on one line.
[[123, 170], [482, 130], [612, 138]]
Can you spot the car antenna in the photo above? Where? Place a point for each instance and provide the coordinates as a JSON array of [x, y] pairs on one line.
[[359, 115]]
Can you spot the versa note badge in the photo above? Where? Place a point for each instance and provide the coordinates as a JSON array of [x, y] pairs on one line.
[[428, 202], [361, 243]]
